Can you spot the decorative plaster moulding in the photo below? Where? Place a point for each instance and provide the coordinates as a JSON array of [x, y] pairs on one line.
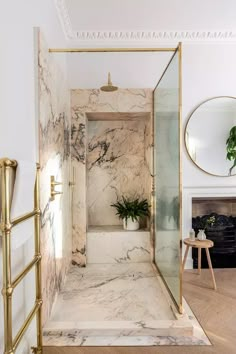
[[150, 36]]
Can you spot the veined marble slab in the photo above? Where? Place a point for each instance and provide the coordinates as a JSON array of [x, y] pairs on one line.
[[97, 159], [123, 328], [117, 165], [74, 340], [114, 245], [106, 304], [54, 152], [105, 293]]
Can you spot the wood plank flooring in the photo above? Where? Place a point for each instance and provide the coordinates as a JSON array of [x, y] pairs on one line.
[[215, 310]]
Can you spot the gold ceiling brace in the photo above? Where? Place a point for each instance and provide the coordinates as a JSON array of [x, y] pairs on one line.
[[112, 50], [8, 174]]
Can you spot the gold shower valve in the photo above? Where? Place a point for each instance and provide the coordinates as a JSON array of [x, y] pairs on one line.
[[53, 185]]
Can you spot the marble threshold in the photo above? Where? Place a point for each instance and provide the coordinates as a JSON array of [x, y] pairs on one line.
[[112, 228], [119, 304]]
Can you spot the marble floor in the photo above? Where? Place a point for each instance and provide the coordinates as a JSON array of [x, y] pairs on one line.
[[118, 304]]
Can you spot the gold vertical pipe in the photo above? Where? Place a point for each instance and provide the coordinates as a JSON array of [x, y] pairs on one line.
[[38, 265], [180, 182], [153, 187], [6, 166]]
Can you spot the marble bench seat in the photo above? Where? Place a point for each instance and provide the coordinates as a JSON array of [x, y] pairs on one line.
[[113, 244]]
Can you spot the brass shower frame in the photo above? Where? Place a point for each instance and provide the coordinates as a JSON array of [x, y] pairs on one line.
[[177, 50], [8, 166]]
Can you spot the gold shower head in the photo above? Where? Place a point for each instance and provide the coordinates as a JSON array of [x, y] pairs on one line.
[[109, 87]]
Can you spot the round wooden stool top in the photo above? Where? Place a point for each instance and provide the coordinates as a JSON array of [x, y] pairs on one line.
[[199, 244]]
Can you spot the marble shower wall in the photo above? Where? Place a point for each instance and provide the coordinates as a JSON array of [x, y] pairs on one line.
[[89, 186], [116, 166], [54, 142]]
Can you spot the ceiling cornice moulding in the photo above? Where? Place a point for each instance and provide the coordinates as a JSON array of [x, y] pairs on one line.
[[153, 36]]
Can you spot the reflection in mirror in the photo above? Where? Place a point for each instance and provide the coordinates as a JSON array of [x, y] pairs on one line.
[[208, 140]]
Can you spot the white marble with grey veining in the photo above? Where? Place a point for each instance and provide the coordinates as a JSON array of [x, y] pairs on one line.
[[62, 338], [113, 294], [106, 304], [116, 166], [98, 176], [114, 245], [54, 150]]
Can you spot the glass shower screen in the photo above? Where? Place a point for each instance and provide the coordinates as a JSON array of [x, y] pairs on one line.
[[167, 162]]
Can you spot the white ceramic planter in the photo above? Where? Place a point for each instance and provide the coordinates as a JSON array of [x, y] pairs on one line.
[[168, 223], [130, 225], [201, 236]]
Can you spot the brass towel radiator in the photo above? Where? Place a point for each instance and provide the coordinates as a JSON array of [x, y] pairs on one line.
[[8, 172]]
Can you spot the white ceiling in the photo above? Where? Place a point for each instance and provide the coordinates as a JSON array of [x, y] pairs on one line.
[[137, 23], [87, 15]]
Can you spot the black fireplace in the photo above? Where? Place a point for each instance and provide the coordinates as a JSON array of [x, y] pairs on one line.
[[223, 234]]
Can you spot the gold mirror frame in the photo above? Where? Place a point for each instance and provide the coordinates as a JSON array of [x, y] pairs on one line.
[[185, 134]]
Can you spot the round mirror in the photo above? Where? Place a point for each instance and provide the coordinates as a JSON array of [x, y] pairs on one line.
[[210, 136]]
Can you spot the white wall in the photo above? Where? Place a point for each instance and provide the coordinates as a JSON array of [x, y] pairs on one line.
[[128, 70], [208, 70], [18, 112]]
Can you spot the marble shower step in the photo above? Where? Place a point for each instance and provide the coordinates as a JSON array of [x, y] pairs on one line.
[[162, 328], [123, 304], [112, 244]]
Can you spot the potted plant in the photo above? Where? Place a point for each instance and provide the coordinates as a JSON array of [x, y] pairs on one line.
[[210, 221], [231, 148], [130, 211], [168, 213]]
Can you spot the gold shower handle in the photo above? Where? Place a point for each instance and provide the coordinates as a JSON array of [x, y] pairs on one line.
[[53, 185], [56, 183], [53, 193]]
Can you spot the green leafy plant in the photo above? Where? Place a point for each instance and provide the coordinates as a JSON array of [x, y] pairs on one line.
[[207, 221], [170, 209], [131, 208], [231, 148], [210, 221]]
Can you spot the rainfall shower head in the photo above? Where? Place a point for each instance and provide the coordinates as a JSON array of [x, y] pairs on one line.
[[109, 87]]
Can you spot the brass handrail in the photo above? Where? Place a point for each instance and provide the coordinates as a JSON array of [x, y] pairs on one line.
[[23, 217], [8, 169], [25, 271]]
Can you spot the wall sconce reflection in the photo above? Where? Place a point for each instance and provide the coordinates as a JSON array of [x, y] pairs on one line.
[[191, 147]]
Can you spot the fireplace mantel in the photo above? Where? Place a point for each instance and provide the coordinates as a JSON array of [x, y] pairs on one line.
[[200, 192]]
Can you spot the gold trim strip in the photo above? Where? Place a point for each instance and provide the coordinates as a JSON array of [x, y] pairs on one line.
[[178, 52], [38, 272], [107, 50], [180, 181], [167, 287], [25, 271], [24, 217], [26, 324]]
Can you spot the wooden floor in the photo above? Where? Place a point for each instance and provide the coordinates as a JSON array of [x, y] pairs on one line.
[[215, 310]]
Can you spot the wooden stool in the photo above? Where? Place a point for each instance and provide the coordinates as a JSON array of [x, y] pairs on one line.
[[200, 244]]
